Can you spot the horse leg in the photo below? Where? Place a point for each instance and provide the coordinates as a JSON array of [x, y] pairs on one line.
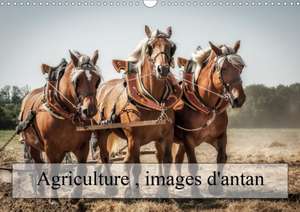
[[190, 149], [54, 156], [180, 154], [102, 138], [222, 143], [133, 156], [159, 152], [36, 155], [164, 155], [81, 156], [220, 146]]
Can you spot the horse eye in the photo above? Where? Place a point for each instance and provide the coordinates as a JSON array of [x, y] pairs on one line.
[[149, 49]]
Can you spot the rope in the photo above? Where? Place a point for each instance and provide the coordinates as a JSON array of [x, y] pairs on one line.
[[73, 105], [209, 121], [201, 87], [8, 141], [204, 88]]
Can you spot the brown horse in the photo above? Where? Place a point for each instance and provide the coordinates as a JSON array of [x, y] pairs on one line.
[[152, 60], [211, 80], [68, 99]]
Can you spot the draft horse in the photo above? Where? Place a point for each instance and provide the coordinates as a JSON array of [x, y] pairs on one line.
[[67, 100], [49, 115], [148, 91], [211, 81]]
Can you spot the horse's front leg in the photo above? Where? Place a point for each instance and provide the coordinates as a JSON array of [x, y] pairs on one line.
[[220, 145], [81, 156], [133, 153], [102, 139], [221, 148], [190, 149], [54, 156], [132, 164]]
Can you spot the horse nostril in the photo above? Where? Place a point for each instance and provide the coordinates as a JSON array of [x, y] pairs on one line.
[[85, 111], [163, 70]]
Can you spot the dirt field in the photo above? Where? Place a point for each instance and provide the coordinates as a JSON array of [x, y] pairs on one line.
[[244, 146]]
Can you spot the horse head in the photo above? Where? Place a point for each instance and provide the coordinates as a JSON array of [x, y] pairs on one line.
[[159, 50], [79, 83], [228, 66]]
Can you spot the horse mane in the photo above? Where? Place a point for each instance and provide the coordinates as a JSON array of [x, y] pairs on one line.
[[200, 56], [139, 53]]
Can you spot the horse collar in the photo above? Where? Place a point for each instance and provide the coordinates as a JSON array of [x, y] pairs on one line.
[[193, 100], [143, 99]]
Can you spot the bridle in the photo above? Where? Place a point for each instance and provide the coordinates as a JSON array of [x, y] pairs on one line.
[[84, 66], [169, 58], [218, 68], [56, 101], [168, 55]]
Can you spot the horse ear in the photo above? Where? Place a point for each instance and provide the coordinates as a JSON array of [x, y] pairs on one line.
[[169, 31], [181, 62], [120, 65], [74, 58], [216, 49], [237, 46], [95, 57], [148, 31], [46, 68]]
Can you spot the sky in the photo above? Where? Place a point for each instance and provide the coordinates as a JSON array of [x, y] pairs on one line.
[[31, 36]]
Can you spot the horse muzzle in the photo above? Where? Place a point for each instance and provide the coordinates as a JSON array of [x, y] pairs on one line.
[[163, 71], [88, 112], [238, 102]]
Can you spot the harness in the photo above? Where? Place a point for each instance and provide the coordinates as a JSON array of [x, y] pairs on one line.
[[53, 102], [191, 97], [138, 94], [194, 101]]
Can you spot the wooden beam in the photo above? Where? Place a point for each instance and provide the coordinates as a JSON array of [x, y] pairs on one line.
[[121, 125]]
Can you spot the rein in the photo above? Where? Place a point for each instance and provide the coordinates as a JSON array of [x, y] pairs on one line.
[[197, 103], [64, 97]]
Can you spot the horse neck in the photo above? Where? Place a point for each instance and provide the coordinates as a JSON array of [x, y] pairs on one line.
[[206, 80], [154, 86], [65, 88]]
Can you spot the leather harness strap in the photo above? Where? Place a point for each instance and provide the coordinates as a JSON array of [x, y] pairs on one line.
[[138, 96], [190, 94]]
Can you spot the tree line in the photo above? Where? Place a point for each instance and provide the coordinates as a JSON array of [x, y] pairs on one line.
[[265, 107]]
